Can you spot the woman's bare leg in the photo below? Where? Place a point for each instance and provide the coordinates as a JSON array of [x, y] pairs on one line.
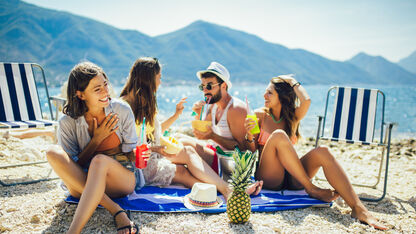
[[75, 180], [200, 170], [183, 176], [204, 152], [337, 178], [278, 154]]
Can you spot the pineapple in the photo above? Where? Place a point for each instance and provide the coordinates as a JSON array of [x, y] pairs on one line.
[[239, 203]]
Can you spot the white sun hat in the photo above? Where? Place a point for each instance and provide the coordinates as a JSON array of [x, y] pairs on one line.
[[202, 196], [218, 70]]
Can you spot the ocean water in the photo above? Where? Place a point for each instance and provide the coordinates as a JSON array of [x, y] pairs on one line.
[[400, 105]]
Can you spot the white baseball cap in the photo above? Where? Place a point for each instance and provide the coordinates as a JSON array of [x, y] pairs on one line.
[[218, 70]]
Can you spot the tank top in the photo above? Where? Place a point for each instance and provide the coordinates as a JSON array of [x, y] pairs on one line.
[[222, 128]]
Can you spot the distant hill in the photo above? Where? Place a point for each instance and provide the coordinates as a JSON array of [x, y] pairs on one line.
[[409, 63], [58, 40], [383, 70], [248, 57]]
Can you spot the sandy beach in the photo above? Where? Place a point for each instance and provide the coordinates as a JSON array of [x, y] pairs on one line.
[[40, 208]]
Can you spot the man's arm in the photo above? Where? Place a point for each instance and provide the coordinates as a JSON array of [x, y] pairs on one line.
[[236, 117]]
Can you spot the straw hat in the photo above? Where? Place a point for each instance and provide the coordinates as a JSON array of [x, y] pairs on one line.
[[218, 70], [202, 196]]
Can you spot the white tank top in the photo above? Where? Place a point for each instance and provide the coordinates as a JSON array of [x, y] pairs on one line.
[[222, 128]]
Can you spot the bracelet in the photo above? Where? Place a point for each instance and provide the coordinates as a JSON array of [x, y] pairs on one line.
[[249, 141], [297, 83]]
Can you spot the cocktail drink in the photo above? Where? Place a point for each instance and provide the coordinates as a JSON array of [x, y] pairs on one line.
[[256, 128], [201, 125], [141, 160]]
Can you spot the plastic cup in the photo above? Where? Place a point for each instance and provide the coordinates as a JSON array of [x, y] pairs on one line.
[[256, 128], [140, 159]]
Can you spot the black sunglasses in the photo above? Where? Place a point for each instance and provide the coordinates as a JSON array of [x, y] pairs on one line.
[[208, 86]]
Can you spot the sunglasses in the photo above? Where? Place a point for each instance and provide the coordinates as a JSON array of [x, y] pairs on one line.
[[208, 86]]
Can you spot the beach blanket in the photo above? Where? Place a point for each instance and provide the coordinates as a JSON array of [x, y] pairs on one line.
[[170, 199]]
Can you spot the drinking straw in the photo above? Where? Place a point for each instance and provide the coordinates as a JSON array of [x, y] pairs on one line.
[[202, 110], [206, 106], [143, 130], [248, 107]]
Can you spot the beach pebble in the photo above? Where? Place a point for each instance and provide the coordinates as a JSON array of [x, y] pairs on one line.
[[35, 219]]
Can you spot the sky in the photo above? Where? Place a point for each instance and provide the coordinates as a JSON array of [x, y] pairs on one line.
[[335, 29]]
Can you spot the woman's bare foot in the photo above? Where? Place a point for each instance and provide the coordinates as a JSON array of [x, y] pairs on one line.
[[362, 214], [255, 188], [326, 195], [122, 220]]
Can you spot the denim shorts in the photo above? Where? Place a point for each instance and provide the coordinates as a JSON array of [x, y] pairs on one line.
[[129, 165]]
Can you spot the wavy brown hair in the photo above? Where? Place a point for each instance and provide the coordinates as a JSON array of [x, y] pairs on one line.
[[287, 98], [142, 83], [78, 80]]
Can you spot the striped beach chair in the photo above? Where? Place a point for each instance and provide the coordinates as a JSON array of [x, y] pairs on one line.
[[354, 121], [20, 106]]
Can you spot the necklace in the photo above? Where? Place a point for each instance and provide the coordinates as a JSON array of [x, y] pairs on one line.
[[274, 120]]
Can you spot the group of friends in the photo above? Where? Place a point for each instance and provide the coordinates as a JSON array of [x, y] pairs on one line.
[[97, 137]]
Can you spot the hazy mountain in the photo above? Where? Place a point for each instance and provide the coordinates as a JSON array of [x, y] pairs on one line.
[[58, 40], [383, 70], [409, 63], [248, 57]]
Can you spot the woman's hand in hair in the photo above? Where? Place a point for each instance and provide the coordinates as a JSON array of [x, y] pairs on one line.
[[289, 79], [180, 107], [107, 127]]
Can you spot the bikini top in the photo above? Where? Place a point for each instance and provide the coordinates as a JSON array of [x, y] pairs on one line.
[[264, 136]]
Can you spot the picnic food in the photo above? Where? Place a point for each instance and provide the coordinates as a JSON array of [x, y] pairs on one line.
[[201, 125], [172, 145], [239, 203]]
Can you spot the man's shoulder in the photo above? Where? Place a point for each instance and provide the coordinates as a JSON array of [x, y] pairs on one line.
[[237, 108]]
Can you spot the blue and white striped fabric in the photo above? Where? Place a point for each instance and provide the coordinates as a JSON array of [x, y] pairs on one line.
[[354, 115], [170, 199], [19, 101]]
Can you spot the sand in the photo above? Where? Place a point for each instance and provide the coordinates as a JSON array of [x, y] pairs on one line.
[[39, 208]]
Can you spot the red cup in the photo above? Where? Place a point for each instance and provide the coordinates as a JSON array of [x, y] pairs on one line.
[[140, 159]]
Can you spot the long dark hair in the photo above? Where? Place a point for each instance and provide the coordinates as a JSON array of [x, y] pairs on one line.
[[287, 98], [142, 83], [78, 80]]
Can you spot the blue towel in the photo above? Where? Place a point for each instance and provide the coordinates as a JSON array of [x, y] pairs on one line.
[[170, 199]]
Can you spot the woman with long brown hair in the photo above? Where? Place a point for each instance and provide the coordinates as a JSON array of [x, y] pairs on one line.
[[279, 165], [163, 169], [96, 139]]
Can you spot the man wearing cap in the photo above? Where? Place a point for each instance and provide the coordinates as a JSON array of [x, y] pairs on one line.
[[226, 113]]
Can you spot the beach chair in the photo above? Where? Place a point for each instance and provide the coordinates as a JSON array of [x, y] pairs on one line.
[[20, 106], [354, 122]]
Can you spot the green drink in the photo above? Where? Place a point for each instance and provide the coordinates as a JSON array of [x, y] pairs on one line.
[[256, 128]]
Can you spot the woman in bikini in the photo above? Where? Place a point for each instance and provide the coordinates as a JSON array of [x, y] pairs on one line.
[[94, 157], [279, 165], [162, 169]]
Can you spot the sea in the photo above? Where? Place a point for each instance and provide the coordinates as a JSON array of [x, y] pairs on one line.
[[400, 105]]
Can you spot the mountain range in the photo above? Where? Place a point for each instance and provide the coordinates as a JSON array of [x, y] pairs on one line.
[[58, 40]]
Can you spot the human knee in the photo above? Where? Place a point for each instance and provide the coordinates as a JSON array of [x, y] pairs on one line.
[[99, 160], [55, 153], [323, 153], [280, 136], [188, 152]]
